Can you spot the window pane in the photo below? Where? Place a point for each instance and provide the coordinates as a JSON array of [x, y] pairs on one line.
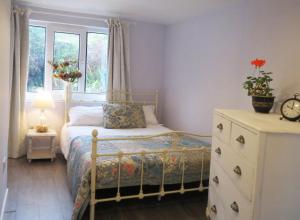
[[96, 63], [66, 47], [36, 71]]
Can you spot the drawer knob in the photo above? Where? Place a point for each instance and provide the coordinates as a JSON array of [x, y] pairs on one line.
[[218, 151], [234, 206], [220, 126], [216, 179], [237, 170], [241, 139], [213, 209]]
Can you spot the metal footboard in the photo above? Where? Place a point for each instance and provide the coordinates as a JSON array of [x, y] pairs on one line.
[[164, 155]]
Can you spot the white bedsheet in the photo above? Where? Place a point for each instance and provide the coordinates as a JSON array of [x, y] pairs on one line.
[[68, 133]]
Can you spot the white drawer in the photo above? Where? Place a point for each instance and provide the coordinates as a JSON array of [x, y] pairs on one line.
[[230, 196], [244, 142], [217, 150], [221, 128], [215, 207], [232, 164]]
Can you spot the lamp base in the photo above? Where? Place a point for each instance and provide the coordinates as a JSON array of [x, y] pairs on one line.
[[41, 128]]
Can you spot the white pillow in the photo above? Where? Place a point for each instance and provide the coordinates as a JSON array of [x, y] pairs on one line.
[[86, 116], [150, 115]]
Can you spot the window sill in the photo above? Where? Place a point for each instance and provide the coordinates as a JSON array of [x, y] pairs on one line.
[[58, 96]]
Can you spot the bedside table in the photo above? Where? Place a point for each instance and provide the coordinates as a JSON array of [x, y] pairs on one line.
[[47, 152]]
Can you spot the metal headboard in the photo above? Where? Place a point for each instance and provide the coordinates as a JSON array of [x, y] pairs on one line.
[[143, 98]]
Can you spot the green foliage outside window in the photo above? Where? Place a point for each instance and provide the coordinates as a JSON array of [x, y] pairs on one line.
[[66, 46], [96, 63], [37, 42]]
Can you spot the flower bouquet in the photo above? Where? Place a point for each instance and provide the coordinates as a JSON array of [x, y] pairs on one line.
[[65, 70]]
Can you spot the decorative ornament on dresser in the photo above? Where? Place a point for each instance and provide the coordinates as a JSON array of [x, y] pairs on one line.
[[290, 108], [258, 86]]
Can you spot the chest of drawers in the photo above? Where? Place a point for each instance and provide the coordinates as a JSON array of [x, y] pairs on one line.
[[255, 167]]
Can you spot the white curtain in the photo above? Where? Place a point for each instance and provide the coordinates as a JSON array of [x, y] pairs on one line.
[[18, 82], [118, 61]]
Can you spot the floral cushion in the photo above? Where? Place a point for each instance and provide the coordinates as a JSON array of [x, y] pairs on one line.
[[124, 116]]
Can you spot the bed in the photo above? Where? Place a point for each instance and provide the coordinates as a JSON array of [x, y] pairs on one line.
[[100, 158], [68, 133]]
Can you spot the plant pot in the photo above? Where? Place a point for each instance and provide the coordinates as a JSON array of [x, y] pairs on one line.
[[262, 104]]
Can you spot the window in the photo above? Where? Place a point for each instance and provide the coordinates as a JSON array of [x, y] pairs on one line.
[[53, 42], [37, 44], [96, 63], [66, 47]]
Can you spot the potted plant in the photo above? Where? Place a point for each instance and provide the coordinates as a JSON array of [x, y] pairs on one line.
[[258, 86]]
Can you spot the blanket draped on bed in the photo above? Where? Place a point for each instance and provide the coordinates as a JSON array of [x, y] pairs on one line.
[[79, 166]]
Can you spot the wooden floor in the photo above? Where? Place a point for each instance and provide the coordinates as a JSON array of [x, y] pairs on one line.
[[39, 191]]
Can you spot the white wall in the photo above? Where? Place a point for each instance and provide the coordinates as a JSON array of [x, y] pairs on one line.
[[207, 58], [146, 56], [4, 93]]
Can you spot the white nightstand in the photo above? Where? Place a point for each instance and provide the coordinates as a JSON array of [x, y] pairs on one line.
[[47, 152]]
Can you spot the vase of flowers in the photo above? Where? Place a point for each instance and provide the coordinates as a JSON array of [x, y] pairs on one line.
[[258, 86], [66, 70]]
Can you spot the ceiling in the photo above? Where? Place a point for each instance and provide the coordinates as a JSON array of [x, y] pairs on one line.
[[157, 11]]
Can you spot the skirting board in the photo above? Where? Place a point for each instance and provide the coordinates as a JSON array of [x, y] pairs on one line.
[[3, 205]]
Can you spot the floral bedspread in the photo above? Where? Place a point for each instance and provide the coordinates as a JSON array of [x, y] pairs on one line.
[[79, 166]]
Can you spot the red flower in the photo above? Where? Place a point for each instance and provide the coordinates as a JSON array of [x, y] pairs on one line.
[[114, 171], [129, 168], [77, 204], [258, 63]]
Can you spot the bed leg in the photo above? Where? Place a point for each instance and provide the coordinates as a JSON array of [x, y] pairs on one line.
[[207, 212], [92, 211], [159, 198]]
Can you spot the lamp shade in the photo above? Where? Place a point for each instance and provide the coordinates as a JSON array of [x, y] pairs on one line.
[[43, 100]]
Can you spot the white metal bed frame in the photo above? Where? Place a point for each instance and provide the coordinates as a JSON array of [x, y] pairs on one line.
[[175, 148], [164, 153]]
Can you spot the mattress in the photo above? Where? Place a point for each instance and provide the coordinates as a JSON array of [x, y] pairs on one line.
[[68, 133]]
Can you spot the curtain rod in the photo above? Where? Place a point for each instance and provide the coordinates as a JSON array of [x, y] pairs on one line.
[[67, 15], [32, 10]]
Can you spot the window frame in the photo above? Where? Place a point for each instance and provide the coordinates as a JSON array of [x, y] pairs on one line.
[[78, 55], [86, 58], [82, 31], [40, 26]]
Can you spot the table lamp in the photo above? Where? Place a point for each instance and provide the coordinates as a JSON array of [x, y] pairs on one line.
[[43, 100]]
